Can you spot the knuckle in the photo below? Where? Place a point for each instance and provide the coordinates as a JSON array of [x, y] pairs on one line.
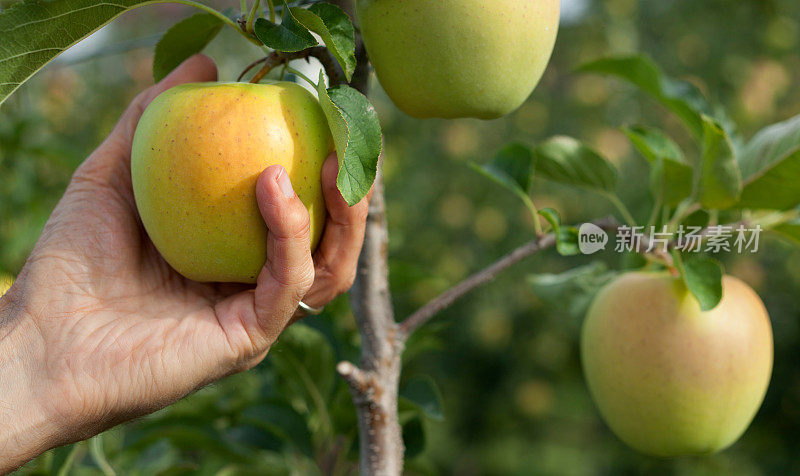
[[299, 279], [291, 226], [337, 282], [294, 224], [302, 227], [346, 282], [140, 98], [305, 282], [361, 211]]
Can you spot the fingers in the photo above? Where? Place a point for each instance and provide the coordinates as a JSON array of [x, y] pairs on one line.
[[337, 256], [289, 271]]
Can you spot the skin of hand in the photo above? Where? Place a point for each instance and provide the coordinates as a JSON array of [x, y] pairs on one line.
[[98, 329]]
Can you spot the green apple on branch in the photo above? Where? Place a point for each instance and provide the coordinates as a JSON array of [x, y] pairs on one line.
[[669, 378], [677, 355], [459, 58]]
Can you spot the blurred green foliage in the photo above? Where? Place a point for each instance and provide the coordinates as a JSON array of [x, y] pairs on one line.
[[505, 358]]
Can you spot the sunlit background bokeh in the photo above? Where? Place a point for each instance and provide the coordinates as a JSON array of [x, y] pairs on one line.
[[506, 357]]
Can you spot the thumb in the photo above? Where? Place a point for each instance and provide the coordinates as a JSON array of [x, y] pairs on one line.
[[253, 319], [288, 272]]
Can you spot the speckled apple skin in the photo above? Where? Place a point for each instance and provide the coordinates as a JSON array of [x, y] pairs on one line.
[[459, 58], [197, 153], [669, 379], [5, 283]]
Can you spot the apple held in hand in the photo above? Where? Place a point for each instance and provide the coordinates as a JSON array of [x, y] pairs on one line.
[[5, 283], [458, 58], [197, 153], [668, 378]]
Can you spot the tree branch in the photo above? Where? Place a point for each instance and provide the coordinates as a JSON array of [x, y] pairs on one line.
[[444, 300], [487, 274], [375, 383]]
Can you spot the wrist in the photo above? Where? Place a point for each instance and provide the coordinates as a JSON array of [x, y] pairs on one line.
[[25, 427]]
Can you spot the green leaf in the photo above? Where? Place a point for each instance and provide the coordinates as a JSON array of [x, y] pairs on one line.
[[155, 458], [306, 362], [413, 437], [568, 161], [357, 136], [771, 166], [571, 290], [720, 181], [63, 459], [185, 38], [703, 278], [32, 33], [283, 422], [670, 175], [195, 435], [654, 144], [423, 393], [790, 230], [252, 438], [333, 25], [511, 168], [681, 97], [99, 456], [566, 236], [290, 35]]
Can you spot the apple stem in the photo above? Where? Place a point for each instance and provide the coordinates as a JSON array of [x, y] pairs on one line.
[[299, 75], [277, 58]]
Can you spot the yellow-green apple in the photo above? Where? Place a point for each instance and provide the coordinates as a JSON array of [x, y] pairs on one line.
[[197, 153], [668, 378], [458, 58]]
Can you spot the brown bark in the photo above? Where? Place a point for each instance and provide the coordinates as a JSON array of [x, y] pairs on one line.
[[374, 383]]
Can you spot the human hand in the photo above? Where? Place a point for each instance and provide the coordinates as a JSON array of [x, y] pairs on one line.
[[98, 329]]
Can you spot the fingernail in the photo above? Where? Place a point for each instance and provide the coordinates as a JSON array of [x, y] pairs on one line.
[[285, 184]]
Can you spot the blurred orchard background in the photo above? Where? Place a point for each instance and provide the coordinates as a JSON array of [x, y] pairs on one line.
[[505, 359]]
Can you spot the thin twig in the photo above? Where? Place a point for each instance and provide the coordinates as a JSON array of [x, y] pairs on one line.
[[483, 276], [354, 376], [251, 66], [277, 58], [478, 279]]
